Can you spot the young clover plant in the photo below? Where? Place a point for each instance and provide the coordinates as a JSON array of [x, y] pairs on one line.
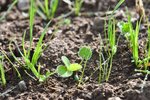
[[85, 53], [67, 69]]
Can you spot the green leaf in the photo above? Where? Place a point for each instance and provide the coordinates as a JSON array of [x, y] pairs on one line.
[[63, 72], [85, 52], [65, 61], [74, 67], [114, 49], [124, 27], [53, 7]]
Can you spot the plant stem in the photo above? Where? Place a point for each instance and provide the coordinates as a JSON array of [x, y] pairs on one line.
[[2, 71], [81, 77], [110, 68]]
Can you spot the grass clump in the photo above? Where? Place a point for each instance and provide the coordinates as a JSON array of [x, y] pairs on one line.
[[105, 61], [132, 37], [107, 52], [31, 61]]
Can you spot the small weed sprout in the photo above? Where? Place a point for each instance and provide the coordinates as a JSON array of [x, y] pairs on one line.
[[67, 69], [77, 6], [47, 10], [2, 71], [112, 42], [85, 53]]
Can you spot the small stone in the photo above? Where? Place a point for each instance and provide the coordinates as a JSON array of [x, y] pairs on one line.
[[22, 86], [23, 5], [2, 2], [98, 24]]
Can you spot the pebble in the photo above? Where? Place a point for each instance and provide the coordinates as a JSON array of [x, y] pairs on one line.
[[23, 5], [2, 2], [22, 86]]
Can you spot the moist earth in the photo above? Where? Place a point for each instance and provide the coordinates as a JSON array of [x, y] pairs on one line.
[[66, 39]]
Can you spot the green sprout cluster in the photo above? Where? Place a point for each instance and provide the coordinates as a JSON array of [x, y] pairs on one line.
[[67, 69]]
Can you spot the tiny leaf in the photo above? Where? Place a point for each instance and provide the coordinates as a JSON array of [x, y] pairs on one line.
[[65, 61], [85, 52], [124, 27], [74, 67], [42, 78], [63, 72]]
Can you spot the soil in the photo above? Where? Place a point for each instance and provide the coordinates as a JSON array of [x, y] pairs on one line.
[[124, 82]]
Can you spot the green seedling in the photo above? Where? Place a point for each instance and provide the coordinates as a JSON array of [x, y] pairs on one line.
[[132, 36], [31, 62], [2, 71], [85, 53], [47, 10], [105, 61], [112, 43], [77, 6], [124, 27], [67, 69], [145, 61]]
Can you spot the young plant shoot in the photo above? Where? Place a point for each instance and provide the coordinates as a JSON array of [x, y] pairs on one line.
[[132, 36], [105, 64], [47, 10], [85, 53], [31, 62], [77, 6], [112, 42], [2, 71], [67, 69]]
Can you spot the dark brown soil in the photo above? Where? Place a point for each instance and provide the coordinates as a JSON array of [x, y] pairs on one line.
[[124, 82]]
